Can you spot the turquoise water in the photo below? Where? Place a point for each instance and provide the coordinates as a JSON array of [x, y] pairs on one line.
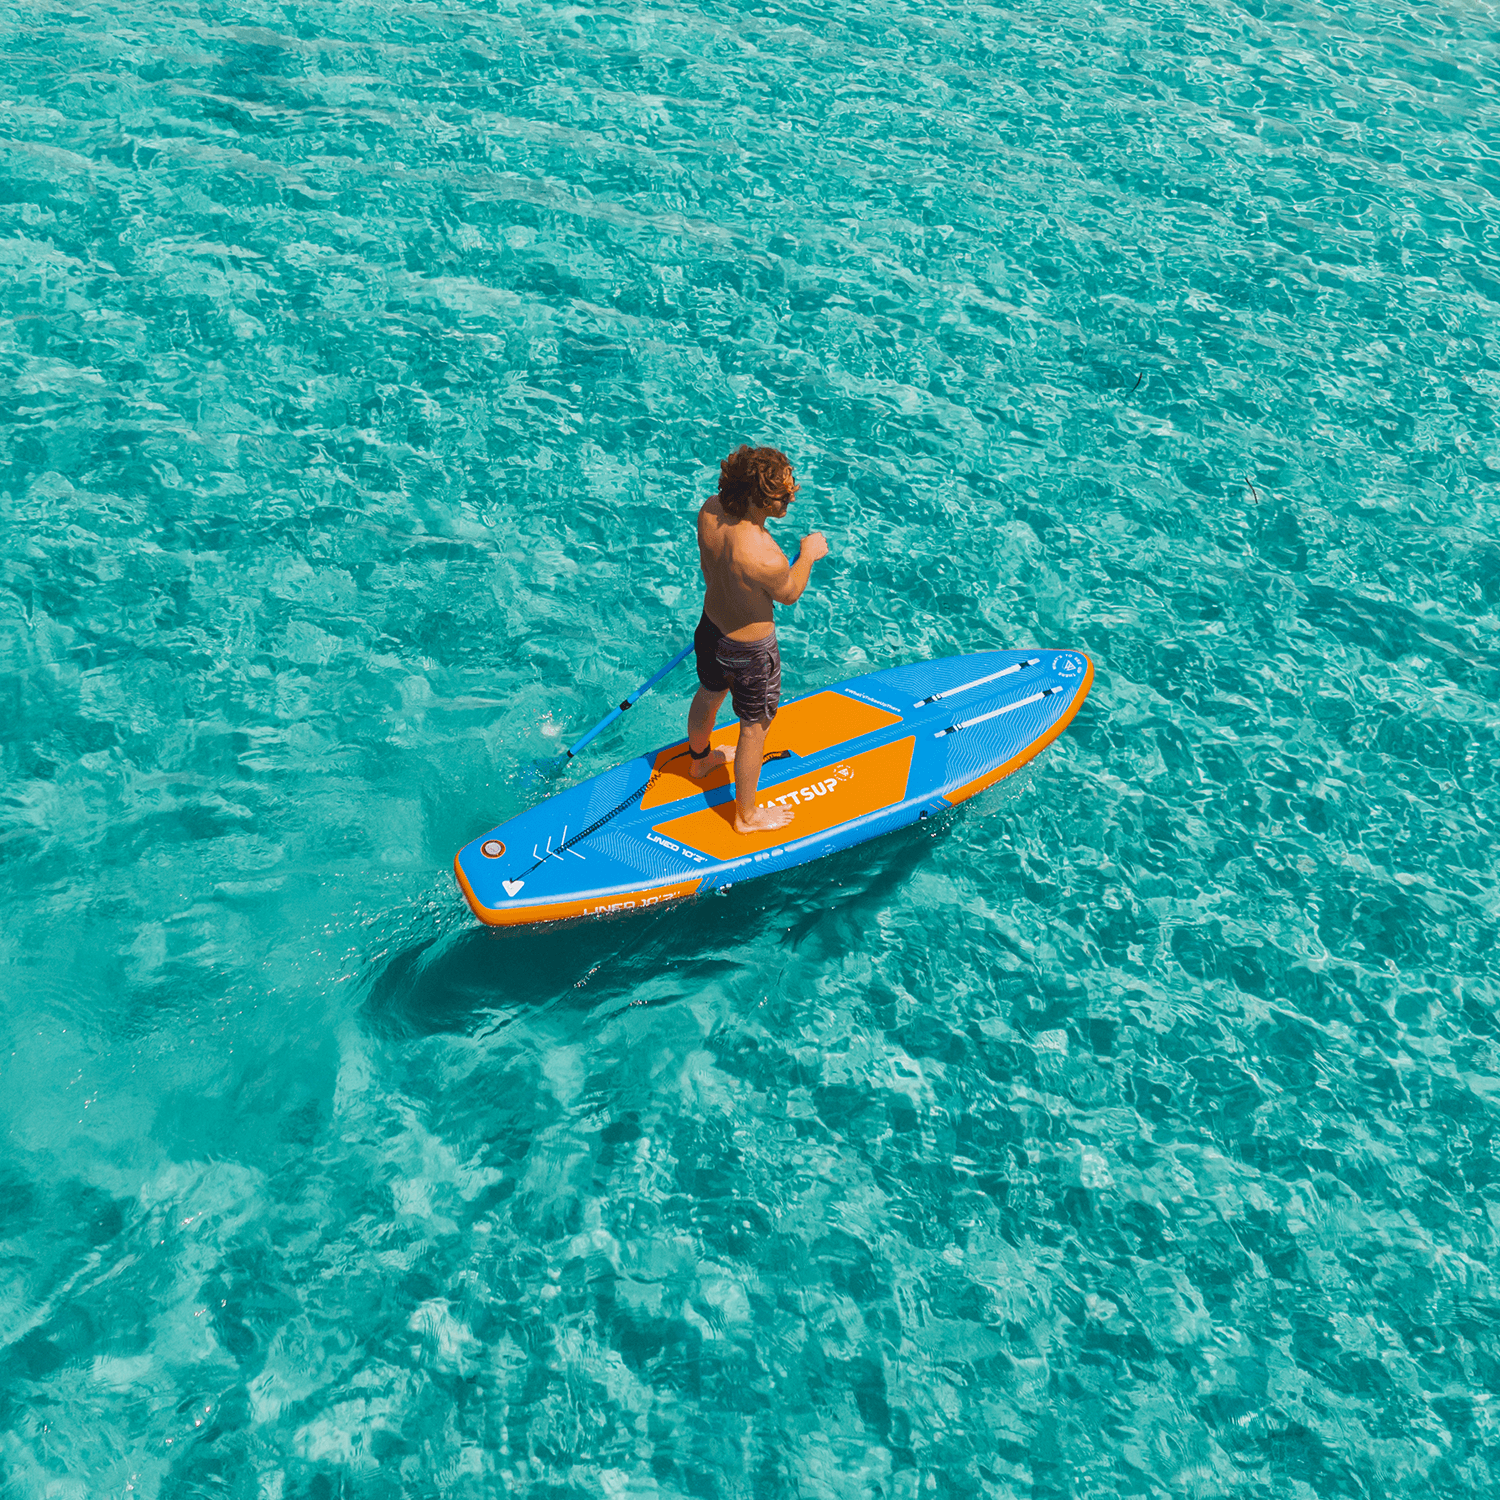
[[1132, 1133]]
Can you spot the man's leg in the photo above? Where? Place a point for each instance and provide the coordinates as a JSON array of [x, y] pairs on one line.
[[702, 712], [748, 758]]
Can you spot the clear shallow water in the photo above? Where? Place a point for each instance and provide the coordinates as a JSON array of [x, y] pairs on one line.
[[1134, 1134]]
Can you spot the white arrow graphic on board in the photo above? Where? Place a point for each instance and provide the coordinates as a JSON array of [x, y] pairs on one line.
[[512, 886]]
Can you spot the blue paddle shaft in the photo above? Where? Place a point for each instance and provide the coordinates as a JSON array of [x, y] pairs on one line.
[[630, 700]]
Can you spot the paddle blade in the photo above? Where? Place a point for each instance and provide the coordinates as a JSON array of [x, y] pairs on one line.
[[540, 774]]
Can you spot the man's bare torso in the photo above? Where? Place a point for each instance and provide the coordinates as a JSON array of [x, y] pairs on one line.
[[735, 557]]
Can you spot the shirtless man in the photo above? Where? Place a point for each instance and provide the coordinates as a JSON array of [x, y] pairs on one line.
[[746, 573]]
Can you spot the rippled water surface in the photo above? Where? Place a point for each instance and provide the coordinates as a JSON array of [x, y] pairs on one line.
[[1132, 1134]]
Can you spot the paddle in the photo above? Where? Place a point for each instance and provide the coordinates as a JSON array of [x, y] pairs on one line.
[[629, 701]]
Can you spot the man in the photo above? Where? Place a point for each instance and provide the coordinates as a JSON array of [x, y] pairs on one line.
[[746, 574]]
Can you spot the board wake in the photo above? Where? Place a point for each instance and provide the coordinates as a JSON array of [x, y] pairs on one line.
[[854, 760]]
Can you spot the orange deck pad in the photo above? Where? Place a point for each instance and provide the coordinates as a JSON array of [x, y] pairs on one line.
[[989, 778], [560, 911], [847, 789], [805, 727]]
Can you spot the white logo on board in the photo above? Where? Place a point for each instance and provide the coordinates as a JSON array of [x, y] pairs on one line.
[[814, 789]]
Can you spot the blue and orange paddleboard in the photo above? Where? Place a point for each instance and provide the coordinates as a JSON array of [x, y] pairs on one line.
[[855, 760]]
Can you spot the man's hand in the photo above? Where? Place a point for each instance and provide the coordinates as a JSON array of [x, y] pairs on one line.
[[814, 547]]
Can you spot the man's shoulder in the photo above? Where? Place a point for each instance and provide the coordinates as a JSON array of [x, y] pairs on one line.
[[754, 545]]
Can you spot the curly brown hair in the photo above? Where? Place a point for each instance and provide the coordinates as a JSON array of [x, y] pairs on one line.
[[754, 476]]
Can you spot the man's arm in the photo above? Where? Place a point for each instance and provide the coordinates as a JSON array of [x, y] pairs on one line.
[[785, 582]]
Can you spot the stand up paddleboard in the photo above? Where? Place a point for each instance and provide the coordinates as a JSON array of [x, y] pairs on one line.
[[855, 760]]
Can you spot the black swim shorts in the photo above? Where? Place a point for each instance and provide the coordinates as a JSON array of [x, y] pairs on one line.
[[751, 668]]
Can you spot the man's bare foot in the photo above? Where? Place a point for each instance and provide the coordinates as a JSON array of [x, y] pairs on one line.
[[763, 818], [720, 755]]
